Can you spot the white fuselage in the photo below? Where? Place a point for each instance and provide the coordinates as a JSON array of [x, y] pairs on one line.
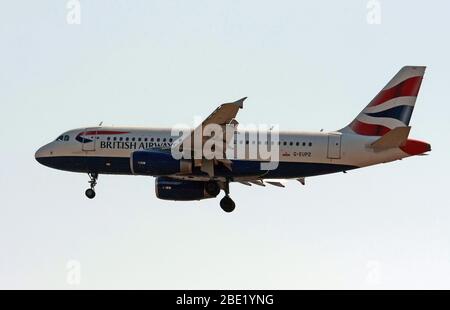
[[106, 144]]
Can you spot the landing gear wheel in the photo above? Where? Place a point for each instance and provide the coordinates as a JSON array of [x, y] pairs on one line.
[[90, 193], [227, 204], [212, 188]]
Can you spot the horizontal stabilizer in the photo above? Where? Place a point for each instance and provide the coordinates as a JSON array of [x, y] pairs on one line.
[[394, 138]]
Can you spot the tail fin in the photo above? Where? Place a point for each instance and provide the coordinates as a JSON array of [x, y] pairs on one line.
[[392, 107]]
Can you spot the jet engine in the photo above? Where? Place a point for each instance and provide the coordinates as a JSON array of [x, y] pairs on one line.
[[172, 189]]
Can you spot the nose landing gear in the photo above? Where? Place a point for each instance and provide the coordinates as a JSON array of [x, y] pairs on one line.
[[90, 192]]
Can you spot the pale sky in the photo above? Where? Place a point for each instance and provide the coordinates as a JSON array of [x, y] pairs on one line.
[[304, 65]]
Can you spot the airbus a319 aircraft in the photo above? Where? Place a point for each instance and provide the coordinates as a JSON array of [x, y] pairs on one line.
[[378, 134]]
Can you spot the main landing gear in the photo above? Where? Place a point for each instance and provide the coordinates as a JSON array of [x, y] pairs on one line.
[[226, 203], [213, 189], [90, 192]]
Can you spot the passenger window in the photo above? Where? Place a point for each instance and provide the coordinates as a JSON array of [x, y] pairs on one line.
[[310, 144], [291, 143], [297, 144], [284, 143]]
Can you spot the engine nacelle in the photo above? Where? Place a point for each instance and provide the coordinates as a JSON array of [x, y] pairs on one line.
[[172, 189], [157, 162]]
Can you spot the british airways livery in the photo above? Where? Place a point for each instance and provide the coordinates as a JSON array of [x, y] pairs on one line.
[[198, 163]]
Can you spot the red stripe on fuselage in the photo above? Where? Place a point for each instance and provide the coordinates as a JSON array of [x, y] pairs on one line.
[[409, 87], [104, 132]]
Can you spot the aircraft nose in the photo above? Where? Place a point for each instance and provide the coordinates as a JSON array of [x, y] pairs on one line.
[[42, 153], [39, 154]]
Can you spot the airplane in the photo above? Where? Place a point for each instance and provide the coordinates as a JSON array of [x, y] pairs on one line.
[[378, 134]]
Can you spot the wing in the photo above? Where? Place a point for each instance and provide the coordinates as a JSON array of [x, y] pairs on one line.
[[224, 116], [225, 113], [249, 181], [263, 182]]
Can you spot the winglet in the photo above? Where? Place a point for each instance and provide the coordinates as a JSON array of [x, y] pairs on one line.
[[394, 138]]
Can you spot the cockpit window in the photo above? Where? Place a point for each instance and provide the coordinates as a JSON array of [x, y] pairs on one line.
[[63, 138]]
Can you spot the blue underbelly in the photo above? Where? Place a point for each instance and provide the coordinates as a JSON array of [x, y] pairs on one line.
[[240, 168]]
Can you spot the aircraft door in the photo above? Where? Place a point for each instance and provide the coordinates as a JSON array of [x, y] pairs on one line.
[[334, 146], [88, 138]]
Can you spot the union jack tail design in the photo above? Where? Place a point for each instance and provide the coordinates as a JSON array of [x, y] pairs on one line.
[[392, 107]]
